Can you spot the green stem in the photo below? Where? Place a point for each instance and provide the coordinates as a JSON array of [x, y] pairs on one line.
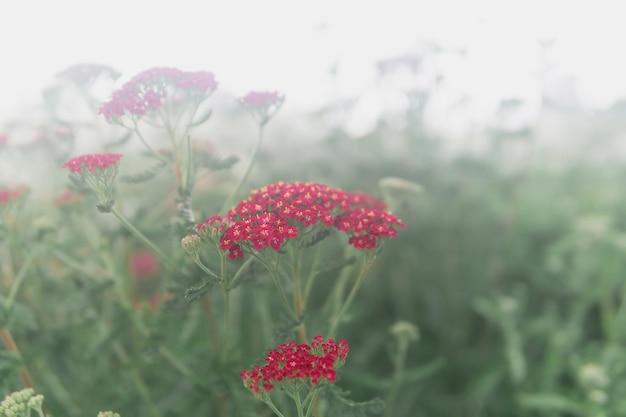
[[271, 405], [226, 332], [226, 293], [335, 298], [312, 275], [171, 358], [205, 268], [398, 376], [281, 291], [132, 229], [239, 273], [138, 380], [296, 398], [182, 368], [19, 279], [298, 303], [276, 279], [143, 140], [311, 399], [255, 152], [336, 320]]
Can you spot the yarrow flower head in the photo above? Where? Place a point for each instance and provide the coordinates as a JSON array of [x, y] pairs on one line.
[[97, 172], [150, 89], [367, 225], [92, 162], [277, 213], [20, 403], [262, 105], [213, 227], [313, 364], [191, 243]]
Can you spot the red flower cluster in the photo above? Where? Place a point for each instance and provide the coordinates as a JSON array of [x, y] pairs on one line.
[[266, 229], [146, 91], [278, 211], [92, 162], [291, 361], [366, 225]]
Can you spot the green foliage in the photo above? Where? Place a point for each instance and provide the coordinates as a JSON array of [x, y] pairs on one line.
[[340, 405], [145, 175], [513, 272]]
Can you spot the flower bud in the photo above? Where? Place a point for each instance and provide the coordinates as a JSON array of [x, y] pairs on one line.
[[593, 375], [108, 414], [191, 243], [405, 332]]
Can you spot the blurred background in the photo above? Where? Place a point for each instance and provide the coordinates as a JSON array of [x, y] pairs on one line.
[[509, 116], [316, 52]]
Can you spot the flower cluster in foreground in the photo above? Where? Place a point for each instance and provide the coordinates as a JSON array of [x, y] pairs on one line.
[[278, 212], [148, 90], [312, 363]]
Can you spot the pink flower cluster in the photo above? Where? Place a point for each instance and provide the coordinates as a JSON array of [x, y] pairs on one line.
[[277, 212], [292, 361], [260, 98], [214, 224], [92, 162], [9, 194], [147, 90], [262, 104]]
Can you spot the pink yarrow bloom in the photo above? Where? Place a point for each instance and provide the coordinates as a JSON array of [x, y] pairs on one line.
[[92, 162], [313, 364], [149, 90], [262, 104]]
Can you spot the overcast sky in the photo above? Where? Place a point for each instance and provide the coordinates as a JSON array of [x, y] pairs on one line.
[[290, 45]]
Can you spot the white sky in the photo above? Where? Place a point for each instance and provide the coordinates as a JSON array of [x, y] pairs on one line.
[[289, 45]]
